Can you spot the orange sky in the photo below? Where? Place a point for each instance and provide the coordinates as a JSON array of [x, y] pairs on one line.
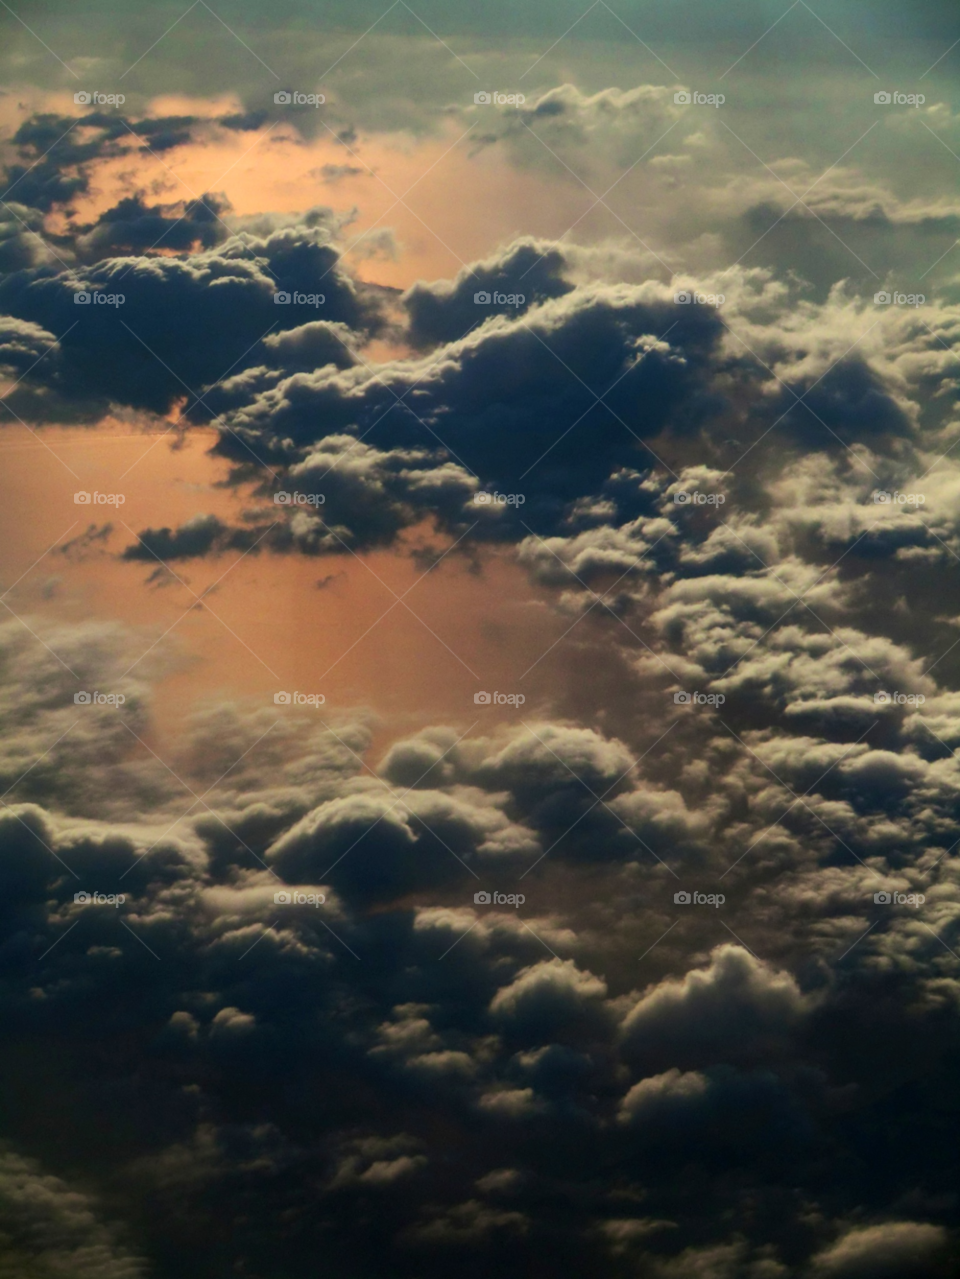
[[459, 203], [272, 613]]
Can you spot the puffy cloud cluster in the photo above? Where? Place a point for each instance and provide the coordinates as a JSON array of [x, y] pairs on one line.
[[719, 1035], [399, 1069], [177, 325]]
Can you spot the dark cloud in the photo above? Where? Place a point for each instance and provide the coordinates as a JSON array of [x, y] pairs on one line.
[[519, 433], [453, 1092], [49, 1228], [447, 310], [197, 537], [893, 1249], [57, 152], [133, 227], [182, 323]]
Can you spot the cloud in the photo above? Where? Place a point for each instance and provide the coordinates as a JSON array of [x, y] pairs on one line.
[[603, 1078], [181, 323], [893, 1248], [728, 1011], [554, 998], [50, 1229], [400, 995], [132, 227], [446, 310]]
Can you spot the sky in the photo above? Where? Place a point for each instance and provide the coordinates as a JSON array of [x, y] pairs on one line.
[[480, 572]]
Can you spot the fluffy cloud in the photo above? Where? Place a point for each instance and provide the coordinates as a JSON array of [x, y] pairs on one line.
[[622, 1073], [171, 327], [48, 1229]]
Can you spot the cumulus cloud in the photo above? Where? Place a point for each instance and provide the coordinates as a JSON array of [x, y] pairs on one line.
[[168, 328], [893, 1248], [735, 1003], [50, 1229], [621, 1072]]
